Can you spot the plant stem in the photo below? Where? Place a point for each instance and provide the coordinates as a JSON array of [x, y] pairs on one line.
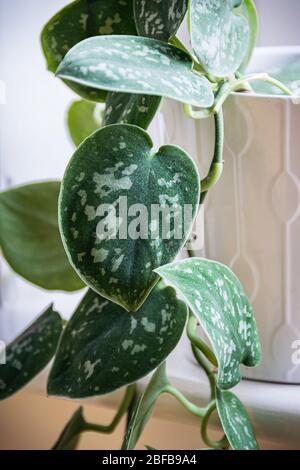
[[222, 443], [197, 342], [209, 371], [189, 406]]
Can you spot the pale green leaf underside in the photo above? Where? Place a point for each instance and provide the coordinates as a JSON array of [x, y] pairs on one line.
[[159, 19], [117, 166], [80, 20], [30, 352], [216, 297], [248, 10], [130, 109], [84, 118], [219, 34], [144, 407], [136, 65], [30, 239], [104, 347], [235, 421]]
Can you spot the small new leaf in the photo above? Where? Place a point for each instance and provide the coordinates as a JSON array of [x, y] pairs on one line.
[[235, 421], [104, 348], [114, 243], [30, 352], [159, 20], [217, 298], [220, 35], [83, 119], [144, 407], [30, 239], [136, 65]]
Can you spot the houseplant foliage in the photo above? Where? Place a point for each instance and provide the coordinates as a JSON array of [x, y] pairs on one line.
[[122, 58]]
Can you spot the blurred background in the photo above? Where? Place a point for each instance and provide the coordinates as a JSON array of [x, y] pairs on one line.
[[34, 145]]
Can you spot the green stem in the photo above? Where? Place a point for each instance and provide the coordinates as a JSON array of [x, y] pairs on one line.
[[189, 406], [108, 429], [197, 342], [222, 443], [236, 84], [199, 114]]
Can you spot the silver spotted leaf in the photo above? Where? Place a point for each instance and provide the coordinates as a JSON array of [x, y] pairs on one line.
[[83, 118], [130, 109], [144, 406], [104, 347], [217, 298], [159, 19], [235, 421], [80, 20], [29, 236], [136, 65], [114, 193], [220, 35], [30, 352]]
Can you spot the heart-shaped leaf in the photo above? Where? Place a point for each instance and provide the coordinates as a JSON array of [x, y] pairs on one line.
[[28, 354], [220, 35], [30, 239], [144, 407], [217, 298], [80, 20], [136, 65], [235, 421], [83, 119], [114, 192], [159, 20], [130, 109], [104, 347]]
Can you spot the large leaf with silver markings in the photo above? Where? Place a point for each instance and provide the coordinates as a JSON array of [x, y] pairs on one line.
[[30, 352], [130, 109], [126, 210], [136, 65], [217, 298], [235, 421], [159, 19], [220, 34], [104, 347], [80, 20]]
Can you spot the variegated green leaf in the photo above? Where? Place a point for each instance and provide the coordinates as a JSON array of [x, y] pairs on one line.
[[80, 20], [220, 35], [130, 109], [104, 347], [288, 74], [30, 352], [159, 19], [144, 407], [136, 65], [217, 298], [30, 239], [235, 421], [83, 119], [114, 193]]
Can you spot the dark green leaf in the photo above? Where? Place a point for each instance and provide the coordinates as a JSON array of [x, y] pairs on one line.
[[70, 436], [130, 109], [113, 244], [220, 35], [80, 20], [104, 347], [136, 65], [235, 421], [217, 298], [159, 19], [83, 119], [144, 407], [30, 352], [30, 239]]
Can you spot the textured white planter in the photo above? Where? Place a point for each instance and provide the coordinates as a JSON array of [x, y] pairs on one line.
[[252, 217]]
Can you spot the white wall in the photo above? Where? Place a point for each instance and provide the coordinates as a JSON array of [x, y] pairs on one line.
[[279, 22]]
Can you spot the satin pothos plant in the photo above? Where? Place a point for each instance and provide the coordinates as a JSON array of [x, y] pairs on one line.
[[122, 57]]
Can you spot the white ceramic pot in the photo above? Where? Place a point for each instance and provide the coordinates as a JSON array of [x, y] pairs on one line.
[[252, 217]]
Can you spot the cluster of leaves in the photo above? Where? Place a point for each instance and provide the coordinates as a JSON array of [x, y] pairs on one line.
[[121, 58]]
